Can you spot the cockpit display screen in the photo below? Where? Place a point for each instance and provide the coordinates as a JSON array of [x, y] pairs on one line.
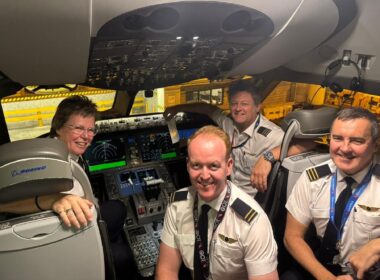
[[136, 180], [105, 154]]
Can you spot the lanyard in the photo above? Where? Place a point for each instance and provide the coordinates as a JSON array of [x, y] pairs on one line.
[[248, 137], [203, 255], [351, 202]]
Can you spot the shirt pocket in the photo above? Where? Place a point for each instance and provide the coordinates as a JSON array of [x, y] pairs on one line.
[[228, 251], [366, 226], [226, 258], [320, 218], [249, 159], [185, 244]]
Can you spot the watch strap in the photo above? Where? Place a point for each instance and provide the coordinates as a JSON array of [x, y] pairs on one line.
[[268, 155]]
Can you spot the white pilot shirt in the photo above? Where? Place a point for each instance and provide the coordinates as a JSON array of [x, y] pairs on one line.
[[250, 250], [246, 156], [309, 202]]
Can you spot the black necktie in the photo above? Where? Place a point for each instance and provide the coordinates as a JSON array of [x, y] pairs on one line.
[[203, 230], [329, 241], [342, 201]]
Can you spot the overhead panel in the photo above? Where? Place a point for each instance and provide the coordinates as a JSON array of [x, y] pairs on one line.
[[172, 43]]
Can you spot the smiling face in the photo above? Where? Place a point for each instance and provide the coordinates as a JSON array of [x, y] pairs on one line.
[[352, 146], [207, 166], [244, 110], [77, 143]]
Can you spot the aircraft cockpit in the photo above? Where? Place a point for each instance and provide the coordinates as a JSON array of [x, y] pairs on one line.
[[307, 59]]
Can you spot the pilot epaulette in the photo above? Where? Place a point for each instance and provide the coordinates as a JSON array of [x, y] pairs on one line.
[[244, 210], [178, 196], [376, 170], [318, 172], [264, 131]]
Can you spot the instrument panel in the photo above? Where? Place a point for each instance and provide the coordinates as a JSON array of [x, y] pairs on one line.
[[139, 165], [145, 190], [134, 141]]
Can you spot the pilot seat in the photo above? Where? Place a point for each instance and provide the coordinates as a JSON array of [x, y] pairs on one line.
[[39, 246], [301, 124]]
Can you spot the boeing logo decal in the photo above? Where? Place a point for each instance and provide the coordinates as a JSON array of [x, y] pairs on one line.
[[27, 170]]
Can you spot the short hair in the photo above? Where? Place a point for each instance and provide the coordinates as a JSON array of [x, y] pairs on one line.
[[215, 131], [353, 113], [73, 105], [244, 85]]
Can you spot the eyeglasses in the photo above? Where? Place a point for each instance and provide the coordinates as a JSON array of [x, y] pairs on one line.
[[79, 130]]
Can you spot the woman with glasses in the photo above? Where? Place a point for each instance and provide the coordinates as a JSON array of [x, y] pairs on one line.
[[74, 114], [74, 124]]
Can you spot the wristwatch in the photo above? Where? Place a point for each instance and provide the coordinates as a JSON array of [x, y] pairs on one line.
[[268, 155]]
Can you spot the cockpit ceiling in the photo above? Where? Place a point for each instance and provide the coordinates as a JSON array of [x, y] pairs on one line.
[[166, 44], [137, 45]]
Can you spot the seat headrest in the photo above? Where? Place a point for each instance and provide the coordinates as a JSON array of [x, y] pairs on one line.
[[312, 122], [34, 167]]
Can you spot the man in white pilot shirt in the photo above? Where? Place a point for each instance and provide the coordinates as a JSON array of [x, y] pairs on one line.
[[242, 244], [352, 237]]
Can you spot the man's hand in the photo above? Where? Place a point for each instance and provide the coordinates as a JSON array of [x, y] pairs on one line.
[[260, 173], [365, 257], [73, 210]]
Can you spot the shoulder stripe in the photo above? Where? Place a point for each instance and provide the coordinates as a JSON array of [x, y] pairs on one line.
[[264, 131], [244, 210], [178, 196], [318, 172]]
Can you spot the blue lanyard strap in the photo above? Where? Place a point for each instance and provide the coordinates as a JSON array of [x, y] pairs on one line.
[[351, 202], [257, 122]]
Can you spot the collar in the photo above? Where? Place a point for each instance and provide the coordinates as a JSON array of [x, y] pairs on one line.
[[214, 204], [250, 129], [359, 176], [74, 157]]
